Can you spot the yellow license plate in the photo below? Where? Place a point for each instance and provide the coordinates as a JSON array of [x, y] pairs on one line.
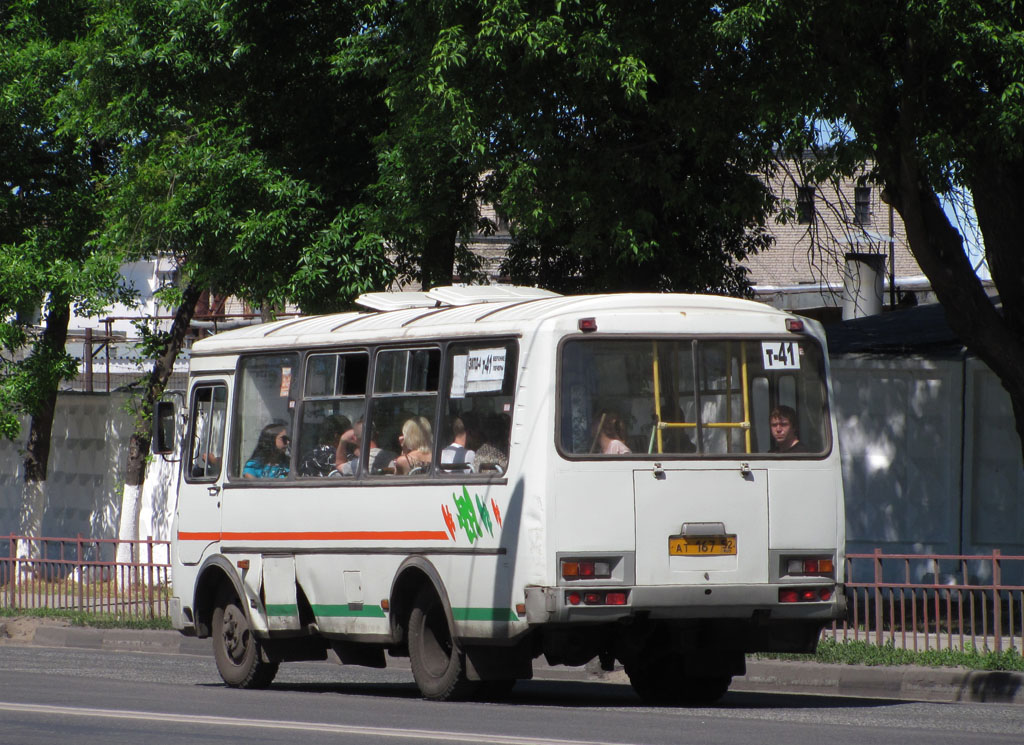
[[703, 545]]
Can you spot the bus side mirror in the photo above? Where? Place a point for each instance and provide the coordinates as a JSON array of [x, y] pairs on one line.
[[163, 428]]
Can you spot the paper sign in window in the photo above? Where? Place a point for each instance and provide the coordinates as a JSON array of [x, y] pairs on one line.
[[485, 370], [780, 355], [459, 376]]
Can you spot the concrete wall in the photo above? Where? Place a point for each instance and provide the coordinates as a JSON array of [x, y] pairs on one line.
[[84, 484], [931, 460]]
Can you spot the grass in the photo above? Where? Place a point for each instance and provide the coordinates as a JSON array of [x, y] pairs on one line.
[[863, 653], [90, 620]]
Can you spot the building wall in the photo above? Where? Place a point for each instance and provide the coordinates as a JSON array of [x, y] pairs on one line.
[[812, 253]]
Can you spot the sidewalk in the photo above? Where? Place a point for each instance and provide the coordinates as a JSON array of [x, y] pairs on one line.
[[907, 683]]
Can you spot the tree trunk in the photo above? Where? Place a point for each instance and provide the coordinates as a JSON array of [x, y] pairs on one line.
[[438, 262], [938, 247], [37, 450], [138, 446]]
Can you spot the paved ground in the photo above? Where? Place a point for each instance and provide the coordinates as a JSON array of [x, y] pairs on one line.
[[903, 683]]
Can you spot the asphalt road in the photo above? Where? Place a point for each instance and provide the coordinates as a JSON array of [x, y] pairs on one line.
[[63, 695]]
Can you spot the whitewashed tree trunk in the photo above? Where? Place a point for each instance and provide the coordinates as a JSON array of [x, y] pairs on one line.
[[128, 528], [30, 521]]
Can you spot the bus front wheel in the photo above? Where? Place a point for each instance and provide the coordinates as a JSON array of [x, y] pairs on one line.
[[236, 649], [438, 665]]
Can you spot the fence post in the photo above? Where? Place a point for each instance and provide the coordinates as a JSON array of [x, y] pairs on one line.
[[997, 599], [81, 573], [13, 574], [149, 573], [878, 597]]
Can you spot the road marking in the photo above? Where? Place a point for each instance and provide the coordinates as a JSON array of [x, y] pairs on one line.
[[342, 729]]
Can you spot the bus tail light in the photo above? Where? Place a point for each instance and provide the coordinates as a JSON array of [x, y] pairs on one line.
[[805, 594], [794, 324], [574, 569], [809, 566], [596, 597]]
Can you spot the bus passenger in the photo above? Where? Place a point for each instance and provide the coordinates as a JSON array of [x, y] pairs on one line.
[[785, 431], [324, 458], [415, 441], [270, 456], [379, 457], [493, 454], [611, 434], [458, 453]]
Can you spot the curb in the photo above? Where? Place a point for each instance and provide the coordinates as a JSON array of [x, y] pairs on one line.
[[905, 683]]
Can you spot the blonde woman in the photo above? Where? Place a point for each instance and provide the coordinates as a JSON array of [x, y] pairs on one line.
[[415, 440]]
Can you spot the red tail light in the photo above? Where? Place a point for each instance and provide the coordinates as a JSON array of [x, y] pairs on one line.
[[805, 594]]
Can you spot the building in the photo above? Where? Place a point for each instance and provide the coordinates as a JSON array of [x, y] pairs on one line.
[[833, 239]]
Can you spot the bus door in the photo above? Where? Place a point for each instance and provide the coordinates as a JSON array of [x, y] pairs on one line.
[[701, 526], [198, 512]]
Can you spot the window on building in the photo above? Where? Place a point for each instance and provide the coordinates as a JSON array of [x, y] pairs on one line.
[[805, 205], [862, 205]]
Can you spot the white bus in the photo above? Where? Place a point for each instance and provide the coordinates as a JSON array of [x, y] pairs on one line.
[[477, 477]]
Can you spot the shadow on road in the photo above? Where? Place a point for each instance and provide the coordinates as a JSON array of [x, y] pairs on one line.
[[582, 695]]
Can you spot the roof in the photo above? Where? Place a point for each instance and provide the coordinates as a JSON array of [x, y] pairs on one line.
[[922, 329], [499, 316]]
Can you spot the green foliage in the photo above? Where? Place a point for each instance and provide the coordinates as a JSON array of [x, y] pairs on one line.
[[49, 206], [865, 653]]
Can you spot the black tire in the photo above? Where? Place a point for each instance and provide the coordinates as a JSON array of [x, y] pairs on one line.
[[659, 682], [236, 649], [438, 665]]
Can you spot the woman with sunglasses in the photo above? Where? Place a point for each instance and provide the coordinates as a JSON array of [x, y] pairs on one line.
[[271, 456]]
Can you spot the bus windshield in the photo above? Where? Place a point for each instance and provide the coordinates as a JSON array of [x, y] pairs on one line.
[[693, 397]]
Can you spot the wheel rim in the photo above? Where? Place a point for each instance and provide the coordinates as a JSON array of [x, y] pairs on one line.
[[437, 642], [235, 634]]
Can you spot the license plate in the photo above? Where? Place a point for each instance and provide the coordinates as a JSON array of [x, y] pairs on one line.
[[702, 545]]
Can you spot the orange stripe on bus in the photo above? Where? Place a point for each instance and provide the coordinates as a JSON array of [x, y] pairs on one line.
[[350, 535]]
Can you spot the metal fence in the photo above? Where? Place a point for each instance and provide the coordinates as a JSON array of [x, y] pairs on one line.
[[934, 601], [82, 574], [912, 601]]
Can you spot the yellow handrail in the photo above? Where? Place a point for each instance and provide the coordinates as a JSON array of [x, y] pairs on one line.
[[744, 425]]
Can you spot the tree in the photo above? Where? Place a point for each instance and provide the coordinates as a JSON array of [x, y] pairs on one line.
[[231, 161], [48, 207], [609, 136], [933, 95]]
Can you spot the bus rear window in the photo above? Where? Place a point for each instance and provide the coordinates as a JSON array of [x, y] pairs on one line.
[[690, 397]]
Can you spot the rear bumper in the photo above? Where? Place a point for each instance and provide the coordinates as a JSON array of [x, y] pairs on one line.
[[550, 605]]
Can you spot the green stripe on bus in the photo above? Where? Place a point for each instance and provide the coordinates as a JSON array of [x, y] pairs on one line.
[[484, 614], [282, 610], [344, 611]]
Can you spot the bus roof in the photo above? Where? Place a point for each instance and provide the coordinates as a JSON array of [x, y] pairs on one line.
[[469, 314]]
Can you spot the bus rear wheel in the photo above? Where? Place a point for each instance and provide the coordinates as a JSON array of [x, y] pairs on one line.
[[236, 649], [438, 665], [661, 682]]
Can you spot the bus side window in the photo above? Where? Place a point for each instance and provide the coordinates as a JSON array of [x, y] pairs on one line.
[[479, 397], [263, 426], [334, 400], [206, 449], [402, 427]]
